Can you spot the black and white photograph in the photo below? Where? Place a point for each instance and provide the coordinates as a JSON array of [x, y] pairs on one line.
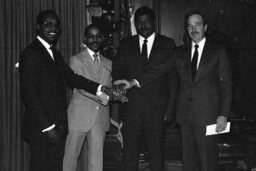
[[128, 85]]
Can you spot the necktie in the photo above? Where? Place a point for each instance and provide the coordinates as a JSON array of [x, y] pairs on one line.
[[194, 62], [96, 62], [144, 52], [54, 51]]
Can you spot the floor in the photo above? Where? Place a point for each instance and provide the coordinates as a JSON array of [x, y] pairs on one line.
[[177, 166], [232, 153], [169, 166]]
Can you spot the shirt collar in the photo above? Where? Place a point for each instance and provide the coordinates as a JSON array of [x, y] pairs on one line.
[[149, 39], [91, 53], [46, 45], [200, 44]]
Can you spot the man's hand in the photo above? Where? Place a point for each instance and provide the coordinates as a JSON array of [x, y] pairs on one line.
[[127, 84], [107, 90], [116, 93], [119, 89], [119, 93], [221, 123], [54, 136]]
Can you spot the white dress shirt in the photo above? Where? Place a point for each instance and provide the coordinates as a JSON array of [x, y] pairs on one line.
[[150, 42], [91, 53], [46, 45], [200, 50]]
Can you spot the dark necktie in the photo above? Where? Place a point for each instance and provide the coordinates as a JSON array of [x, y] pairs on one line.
[[144, 52], [54, 52], [194, 62]]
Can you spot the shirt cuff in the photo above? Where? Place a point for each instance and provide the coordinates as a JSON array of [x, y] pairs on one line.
[[99, 92], [49, 128], [137, 83]]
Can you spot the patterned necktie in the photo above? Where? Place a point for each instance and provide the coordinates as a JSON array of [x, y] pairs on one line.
[[194, 62], [96, 62], [144, 52]]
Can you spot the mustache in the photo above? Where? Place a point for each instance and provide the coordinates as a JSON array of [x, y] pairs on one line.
[[144, 29], [194, 32]]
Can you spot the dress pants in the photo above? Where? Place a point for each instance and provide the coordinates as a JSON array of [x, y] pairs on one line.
[[46, 156], [82, 163], [75, 140], [133, 135], [200, 152]]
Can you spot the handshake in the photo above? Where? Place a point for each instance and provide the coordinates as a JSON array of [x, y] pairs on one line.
[[116, 92]]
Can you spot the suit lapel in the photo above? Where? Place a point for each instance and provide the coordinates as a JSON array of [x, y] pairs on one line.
[[102, 69], [186, 65], [153, 53], [45, 54], [205, 58], [136, 50], [90, 66]]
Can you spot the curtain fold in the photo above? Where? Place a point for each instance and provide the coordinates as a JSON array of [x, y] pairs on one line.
[[17, 29]]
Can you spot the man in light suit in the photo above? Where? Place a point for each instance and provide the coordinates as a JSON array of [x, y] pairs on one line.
[[44, 76], [205, 92], [88, 120], [147, 107]]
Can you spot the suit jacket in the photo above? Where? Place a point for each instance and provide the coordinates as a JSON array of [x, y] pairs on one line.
[[210, 94], [150, 102], [200, 101], [83, 111], [43, 89]]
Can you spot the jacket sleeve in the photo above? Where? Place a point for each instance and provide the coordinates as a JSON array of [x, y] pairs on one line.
[[158, 70], [77, 67], [225, 83], [74, 80]]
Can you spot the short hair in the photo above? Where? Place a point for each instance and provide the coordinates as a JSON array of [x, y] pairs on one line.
[[144, 10], [43, 14], [86, 30], [194, 13]]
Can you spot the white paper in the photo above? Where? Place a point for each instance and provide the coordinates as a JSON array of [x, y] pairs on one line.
[[211, 129]]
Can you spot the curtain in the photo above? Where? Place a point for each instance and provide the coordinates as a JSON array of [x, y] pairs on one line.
[[17, 29]]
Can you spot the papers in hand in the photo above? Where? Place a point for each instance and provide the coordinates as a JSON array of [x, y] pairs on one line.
[[102, 98], [211, 129]]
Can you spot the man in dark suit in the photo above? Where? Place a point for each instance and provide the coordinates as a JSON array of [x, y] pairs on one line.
[[43, 79], [145, 111], [204, 96]]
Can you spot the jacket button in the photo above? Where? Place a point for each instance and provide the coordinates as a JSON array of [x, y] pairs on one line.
[[97, 108]]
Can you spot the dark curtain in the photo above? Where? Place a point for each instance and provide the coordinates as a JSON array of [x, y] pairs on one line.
[[17, 29]]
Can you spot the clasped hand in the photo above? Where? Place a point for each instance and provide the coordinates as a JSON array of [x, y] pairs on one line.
[[126, 84], [116, 93]]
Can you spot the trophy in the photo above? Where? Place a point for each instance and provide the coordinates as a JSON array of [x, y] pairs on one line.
[[119, 93]]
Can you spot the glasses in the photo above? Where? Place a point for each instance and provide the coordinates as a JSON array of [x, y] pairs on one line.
[[97, 36]]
